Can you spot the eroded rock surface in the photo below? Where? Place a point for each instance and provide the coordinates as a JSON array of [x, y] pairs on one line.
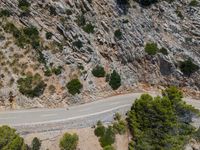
[[159, 23]]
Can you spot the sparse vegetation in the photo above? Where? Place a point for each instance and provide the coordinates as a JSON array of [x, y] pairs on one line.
[[74, 86], [188, 67], [89, 28], [78, 44], [163, 51], [24, 5], [107, 134], [98, 71], [5, 13], [24, 36], [115, 80], [151, 48], [81, 20], [52, 11], [69, 142], [147, 2], [194, 3], [179, 14], [31, 86], [118, 34], [49, 35]]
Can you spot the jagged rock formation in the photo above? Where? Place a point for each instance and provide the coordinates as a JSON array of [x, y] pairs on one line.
[[162, 23]]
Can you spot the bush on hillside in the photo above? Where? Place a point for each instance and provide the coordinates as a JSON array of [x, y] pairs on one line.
[[188, 67], [24, 5], [74, 86], [98, 71], [5, 13], [115, 80], [151, 48], [49, 35], [31, 86], [118, 34], [89, 28]]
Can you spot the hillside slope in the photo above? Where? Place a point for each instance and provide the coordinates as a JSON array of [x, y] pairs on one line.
[[68, 38]]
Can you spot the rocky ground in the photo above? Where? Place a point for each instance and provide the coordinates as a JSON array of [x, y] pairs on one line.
[[174, 26]]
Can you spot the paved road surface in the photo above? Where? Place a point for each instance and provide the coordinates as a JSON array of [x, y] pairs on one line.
[[75, 117]]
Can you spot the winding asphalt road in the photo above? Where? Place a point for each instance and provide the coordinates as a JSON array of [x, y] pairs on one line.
[[74, 117]]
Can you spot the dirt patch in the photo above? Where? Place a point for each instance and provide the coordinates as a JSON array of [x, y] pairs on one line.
[[87, 139]]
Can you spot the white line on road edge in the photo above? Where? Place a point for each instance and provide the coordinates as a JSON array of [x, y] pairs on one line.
[[72, 118]]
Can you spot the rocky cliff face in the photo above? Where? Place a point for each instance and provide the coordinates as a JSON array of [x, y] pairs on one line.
[[84, 35]]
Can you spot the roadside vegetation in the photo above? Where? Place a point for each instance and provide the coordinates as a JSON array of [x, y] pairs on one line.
[[161, 122], [69, 142], [107, 134], [10, 140], [36, 144]]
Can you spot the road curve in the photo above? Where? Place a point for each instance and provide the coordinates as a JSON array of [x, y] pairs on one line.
[[38, 120]]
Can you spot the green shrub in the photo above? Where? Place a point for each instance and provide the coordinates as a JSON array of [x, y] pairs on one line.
[[118, 34], [69, 12], [196, 135], [52, 11], [10, 140], [179, 14], [188, 67], [74, 86], [57, 70], [11, 28], [49, 35], [5, 13], [151, 48], [115, 80], [99, 131], [194, 3], [69, 142], [147, 2], [89, 28], [163, 51], [24, 36], [117, 117], [131, 146], [108, 138], [81, 20], [119, 127], [109, 147], [98, 71], [78, 44], [36, 144], [24, 5], [31, 32], [31, 86]]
